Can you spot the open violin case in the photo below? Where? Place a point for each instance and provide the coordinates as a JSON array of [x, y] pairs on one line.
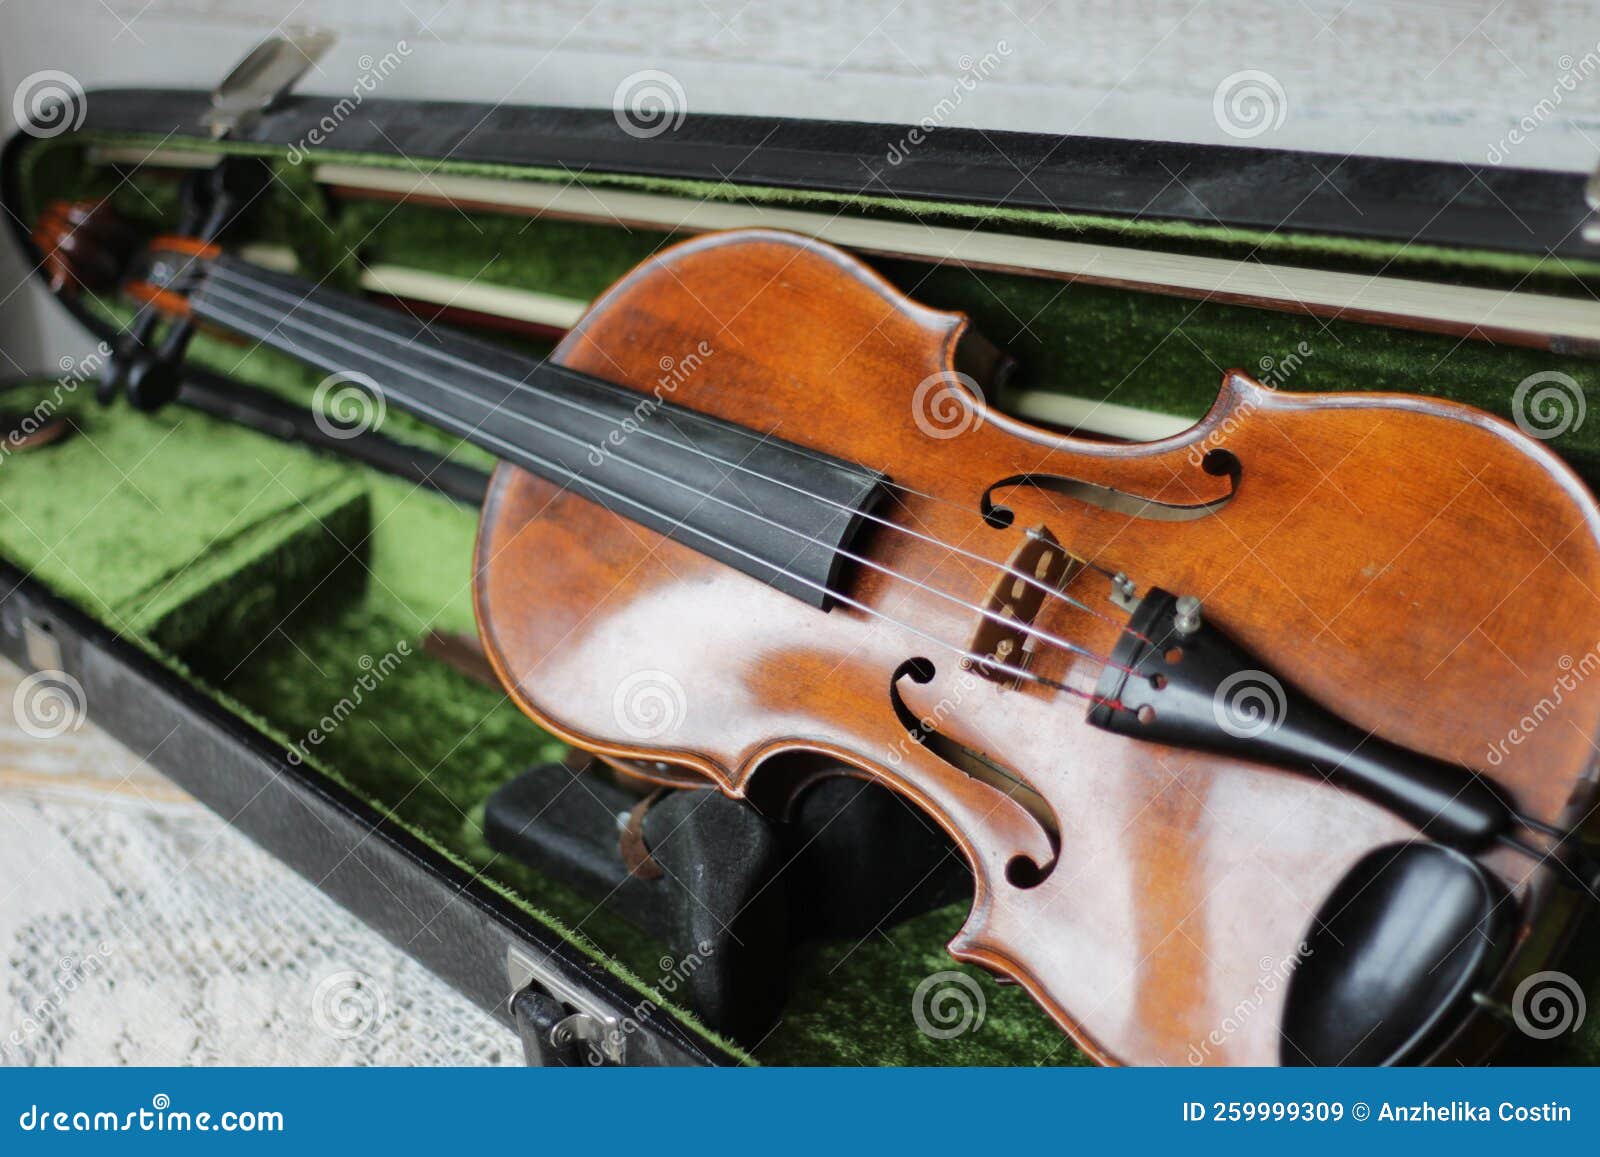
[[276, 609]]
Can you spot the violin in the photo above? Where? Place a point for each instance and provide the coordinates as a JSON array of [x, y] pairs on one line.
[[1266, 743]]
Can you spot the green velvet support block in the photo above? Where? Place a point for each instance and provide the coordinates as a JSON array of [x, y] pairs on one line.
[[255, 580]]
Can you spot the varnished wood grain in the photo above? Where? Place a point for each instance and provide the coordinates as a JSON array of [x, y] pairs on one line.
[[1420, 567]]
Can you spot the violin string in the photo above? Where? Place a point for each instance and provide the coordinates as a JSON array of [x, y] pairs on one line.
[[995, 616], [1050, 590], [446, 422]]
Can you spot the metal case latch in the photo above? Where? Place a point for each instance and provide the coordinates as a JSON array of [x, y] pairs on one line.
[[559, 1023]]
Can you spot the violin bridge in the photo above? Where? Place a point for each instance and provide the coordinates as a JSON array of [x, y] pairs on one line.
[[1014, 602]]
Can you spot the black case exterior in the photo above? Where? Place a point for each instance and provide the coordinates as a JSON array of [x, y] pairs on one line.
[[1420, 202], [428, 906]]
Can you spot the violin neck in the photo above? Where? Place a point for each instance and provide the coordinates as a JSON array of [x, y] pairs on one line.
[[775, 510]]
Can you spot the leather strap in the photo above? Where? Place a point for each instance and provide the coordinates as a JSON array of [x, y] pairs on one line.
[[635, 855]]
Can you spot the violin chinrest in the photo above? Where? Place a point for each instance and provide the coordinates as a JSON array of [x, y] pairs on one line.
[[1398, 947]]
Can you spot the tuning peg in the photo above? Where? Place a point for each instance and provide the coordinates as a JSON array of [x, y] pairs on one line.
[[85, 245]]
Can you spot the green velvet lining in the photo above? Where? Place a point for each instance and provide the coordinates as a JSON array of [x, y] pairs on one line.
[[229, 554], [250, 582], [118, 513]]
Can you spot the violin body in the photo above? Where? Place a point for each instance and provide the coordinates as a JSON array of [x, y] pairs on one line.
[[1420, 568]]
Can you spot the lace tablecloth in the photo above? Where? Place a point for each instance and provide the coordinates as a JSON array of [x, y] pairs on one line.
[[136, 928]]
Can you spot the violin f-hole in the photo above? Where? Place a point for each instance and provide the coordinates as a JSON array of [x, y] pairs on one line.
[[1021, 871], [1217, 463]]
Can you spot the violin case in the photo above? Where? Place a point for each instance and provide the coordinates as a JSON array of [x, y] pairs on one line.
[[254, 604]]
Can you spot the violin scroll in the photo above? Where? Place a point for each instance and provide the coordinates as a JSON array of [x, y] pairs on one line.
[[89, 247]]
